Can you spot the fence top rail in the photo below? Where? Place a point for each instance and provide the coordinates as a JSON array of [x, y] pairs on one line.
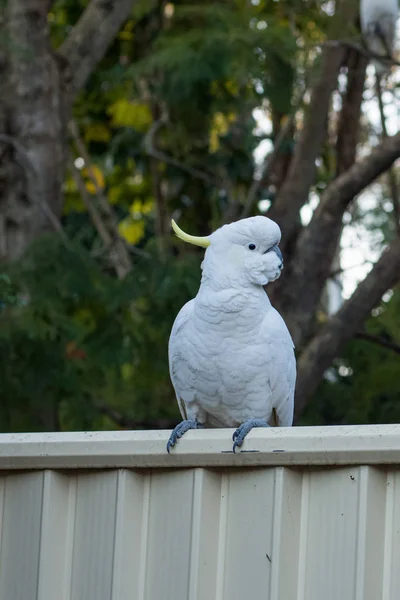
[[297, 446]]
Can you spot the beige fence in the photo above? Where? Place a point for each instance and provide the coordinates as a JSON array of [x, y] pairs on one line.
[[302, 514]]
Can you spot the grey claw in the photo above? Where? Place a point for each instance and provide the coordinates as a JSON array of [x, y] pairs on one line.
[[179, 430], [243, 429]]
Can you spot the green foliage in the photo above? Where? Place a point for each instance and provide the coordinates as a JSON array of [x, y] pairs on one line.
[[233, 47], [73, 338], [80, 338], [364, 384], [8, 296]]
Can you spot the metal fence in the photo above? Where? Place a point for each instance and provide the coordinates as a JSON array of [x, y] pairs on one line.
[[301, 514]]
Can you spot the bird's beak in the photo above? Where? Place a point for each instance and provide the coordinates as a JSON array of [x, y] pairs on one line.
[[278, 252], [203, 242]]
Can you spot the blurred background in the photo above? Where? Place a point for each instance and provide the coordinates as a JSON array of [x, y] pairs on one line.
[[116, 117]]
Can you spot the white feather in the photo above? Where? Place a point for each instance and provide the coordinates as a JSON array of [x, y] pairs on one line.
[[231, 356]]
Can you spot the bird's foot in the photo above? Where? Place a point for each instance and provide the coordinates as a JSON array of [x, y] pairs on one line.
[[180, 429], [241, 432]]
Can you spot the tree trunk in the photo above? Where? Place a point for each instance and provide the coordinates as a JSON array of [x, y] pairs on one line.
[[280, 168], [40, 85], [317, 244], [349, 119], [302, 292], [33, 131], [294, 192]]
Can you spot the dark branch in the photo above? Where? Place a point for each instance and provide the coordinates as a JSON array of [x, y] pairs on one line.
[[119, 254], [385, 60], [318, 242], [128, 423], [328, 343], [151, 150], [90, 205], [342, 190], [391, 174], [380, 341], [268, 166], [91, 36], [25, 162], [349, 119], [294, 192]]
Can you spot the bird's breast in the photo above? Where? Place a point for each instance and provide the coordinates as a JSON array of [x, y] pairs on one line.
[[230, 312]]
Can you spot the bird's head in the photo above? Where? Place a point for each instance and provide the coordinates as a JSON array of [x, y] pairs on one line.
[[243, 253]]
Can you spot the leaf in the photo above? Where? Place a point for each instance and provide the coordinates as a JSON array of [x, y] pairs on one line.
[[131, 230], [114, 194], [73, 352], [96, 173], [126, 371], [85, 318], [138, 207], [130, 114], [219, 127], [97, 132]]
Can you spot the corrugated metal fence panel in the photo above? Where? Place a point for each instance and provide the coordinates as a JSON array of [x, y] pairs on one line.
[[256, 531]]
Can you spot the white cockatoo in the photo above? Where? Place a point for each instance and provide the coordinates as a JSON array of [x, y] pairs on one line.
[[231, 357], [378, 26]]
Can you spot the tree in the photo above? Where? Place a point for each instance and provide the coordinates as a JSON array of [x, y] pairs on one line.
[[41, 83], [166, 126]]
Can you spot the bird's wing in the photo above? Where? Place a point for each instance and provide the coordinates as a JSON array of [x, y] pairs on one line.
[[282, 367], [181, 375]]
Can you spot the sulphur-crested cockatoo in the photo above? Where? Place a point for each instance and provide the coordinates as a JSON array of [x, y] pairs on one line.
[[231, 356], [378, 25]]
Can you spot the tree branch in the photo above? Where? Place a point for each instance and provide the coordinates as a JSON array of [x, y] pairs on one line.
[[317, 244], [150, 149], [388, 61], [294, 192], [333, 274], [33, 106], [268, 166], [162, 219], [90, 206], [380, 341], [127, 423], [91, 36], [24, 161], [391, 175], [342, 190], [332, 337], [349, 120], [121, 259], [348, 134]]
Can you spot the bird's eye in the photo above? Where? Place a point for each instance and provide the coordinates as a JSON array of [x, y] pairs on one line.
[[251, 246]]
